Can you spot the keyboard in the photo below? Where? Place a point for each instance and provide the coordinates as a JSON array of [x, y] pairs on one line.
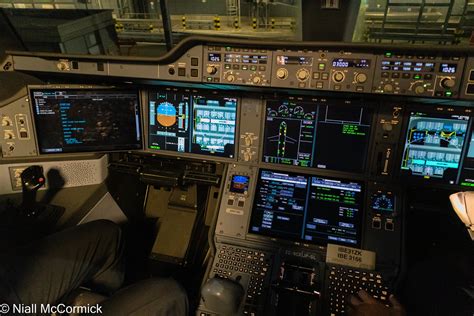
[[344, 281], [232, 261]]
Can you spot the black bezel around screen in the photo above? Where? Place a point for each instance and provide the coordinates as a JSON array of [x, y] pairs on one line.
[[116, 133]]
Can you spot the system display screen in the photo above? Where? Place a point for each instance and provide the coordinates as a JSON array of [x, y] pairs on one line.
[[86, 120], [239, 184], [327, 136], [434, 146], [192, 123], [306, 208], [383, 202]]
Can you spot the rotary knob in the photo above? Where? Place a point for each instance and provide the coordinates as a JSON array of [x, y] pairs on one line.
[[230, 78], [282, 73], [302, 74], [256, 80], [388, 88], [419, 90], [212, 70], [361, 78], [448, 83], [338, 76]]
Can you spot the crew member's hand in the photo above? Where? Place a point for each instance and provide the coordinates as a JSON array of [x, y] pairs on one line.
[[364, 304]]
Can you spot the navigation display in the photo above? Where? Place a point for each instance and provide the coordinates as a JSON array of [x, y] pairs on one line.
[[192, 123], [434, 146], [86, 120], [332, 135], [306, 208]]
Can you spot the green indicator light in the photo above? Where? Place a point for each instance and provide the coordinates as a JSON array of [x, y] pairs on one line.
[[154, 147], [448, 93], [388, 54], [467, 184], [417, 77]]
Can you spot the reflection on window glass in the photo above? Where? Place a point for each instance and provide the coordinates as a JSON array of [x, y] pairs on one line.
[[415, 21]]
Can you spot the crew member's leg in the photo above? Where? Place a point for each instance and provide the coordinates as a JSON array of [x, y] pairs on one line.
[[153, 297], [48, 269]]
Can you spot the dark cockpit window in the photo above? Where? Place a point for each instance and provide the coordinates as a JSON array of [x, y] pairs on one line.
[[150, 28]]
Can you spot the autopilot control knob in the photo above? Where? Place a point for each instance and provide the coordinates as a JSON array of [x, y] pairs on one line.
[[448, 83], [388, 88], [419, 89], [256, 80], [361, 78], [230, 78], [302, 74], [338, 76], [212, 70], [282, 73]]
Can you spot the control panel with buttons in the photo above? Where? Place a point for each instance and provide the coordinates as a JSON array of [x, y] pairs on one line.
[[420, 75], [16, 129], [250, 117], [234, 65], [323, 70]]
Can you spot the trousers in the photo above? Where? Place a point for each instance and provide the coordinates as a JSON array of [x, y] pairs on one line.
[[47, 270]]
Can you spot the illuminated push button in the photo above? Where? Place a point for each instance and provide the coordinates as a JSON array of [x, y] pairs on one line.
[[212, 70], [302, 74], [338, 76], [389, 226], [361, 78], [282, 73]]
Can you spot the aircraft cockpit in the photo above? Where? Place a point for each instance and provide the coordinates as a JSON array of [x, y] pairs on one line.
[[263, 177]]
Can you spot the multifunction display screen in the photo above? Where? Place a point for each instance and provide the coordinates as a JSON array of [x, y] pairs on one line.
[[86, 120], [331, 135], [435, 146], [298, 207], [192, 123]]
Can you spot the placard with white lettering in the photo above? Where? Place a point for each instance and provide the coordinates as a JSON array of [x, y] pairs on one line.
[[352, 257]]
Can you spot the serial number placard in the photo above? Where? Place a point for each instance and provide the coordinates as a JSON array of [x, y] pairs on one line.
[[352, 257]]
